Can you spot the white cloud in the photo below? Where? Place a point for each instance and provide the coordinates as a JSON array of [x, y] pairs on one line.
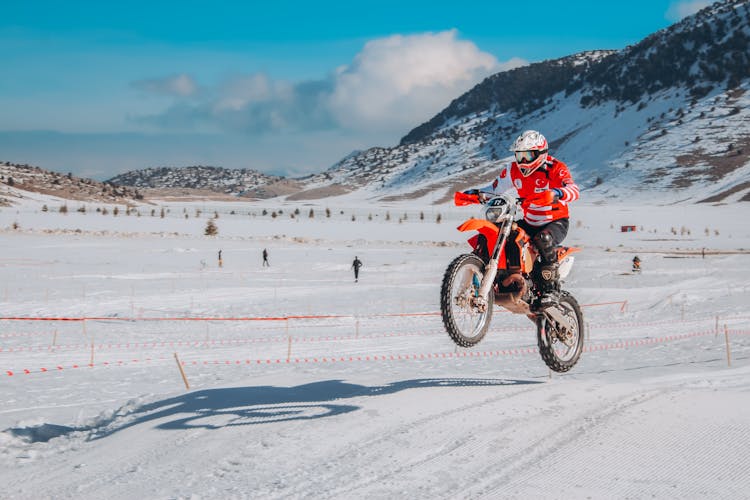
[[393, 84], [401, 81], [242, 91], [680, 10], [176, 85]]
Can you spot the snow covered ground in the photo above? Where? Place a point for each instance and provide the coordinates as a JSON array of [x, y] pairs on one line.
[[307, 384]]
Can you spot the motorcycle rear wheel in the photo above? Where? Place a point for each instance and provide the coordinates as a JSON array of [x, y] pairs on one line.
[[465, 323], [561, 354]]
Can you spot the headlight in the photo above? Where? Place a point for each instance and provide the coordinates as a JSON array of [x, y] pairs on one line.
[[492, 214], [497, 208]]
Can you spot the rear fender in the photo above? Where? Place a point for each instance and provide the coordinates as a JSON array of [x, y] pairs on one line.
[[563, 252]]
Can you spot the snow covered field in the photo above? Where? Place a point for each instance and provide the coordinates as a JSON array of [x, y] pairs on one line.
[[306, 384]]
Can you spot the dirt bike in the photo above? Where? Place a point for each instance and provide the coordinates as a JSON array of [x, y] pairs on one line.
[[475, 281]]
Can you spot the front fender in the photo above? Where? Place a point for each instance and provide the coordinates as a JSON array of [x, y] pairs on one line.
[[485, 227], [478, 225]]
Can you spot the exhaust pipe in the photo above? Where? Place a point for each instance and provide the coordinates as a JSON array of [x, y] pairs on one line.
[[513, 301]]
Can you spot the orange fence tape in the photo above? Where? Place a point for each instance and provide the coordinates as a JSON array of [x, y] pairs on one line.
[[248, 318], [381, 357]]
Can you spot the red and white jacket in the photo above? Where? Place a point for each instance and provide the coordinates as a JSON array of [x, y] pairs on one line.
[[554, 174]]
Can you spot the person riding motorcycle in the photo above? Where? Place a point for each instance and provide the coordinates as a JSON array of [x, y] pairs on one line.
[[546, 186]]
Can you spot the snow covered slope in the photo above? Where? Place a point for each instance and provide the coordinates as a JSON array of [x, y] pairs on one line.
[[370, 399]]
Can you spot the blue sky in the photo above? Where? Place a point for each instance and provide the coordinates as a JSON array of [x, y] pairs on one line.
[[98, 88]]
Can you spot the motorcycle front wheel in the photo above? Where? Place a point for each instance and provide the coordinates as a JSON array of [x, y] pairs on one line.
[[560, 348], [465, 321]]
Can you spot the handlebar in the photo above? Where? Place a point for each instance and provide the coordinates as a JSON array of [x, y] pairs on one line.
[[461, 199]]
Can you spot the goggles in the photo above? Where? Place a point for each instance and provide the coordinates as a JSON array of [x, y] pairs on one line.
[[523, 157]]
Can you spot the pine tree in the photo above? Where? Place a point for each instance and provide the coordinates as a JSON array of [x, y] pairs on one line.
[[211, 228]]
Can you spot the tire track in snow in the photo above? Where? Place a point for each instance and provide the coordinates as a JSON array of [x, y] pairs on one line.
[[557, 438], [696, 454], [96, 470], [363, 455]]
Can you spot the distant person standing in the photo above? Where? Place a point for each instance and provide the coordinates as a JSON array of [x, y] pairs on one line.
[[356, 265], [221, 262], [265, 258], [636, 264]]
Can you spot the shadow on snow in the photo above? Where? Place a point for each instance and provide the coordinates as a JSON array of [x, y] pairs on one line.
[[235, 406]]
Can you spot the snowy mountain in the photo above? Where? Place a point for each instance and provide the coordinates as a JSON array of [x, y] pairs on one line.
[[667, 117]]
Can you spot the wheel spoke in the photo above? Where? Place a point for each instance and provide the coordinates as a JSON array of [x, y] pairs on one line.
[[560, 346], [468, 318], [464, 321], [566, 343]]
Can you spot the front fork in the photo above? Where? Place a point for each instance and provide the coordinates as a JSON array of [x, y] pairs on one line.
[[490, 270]]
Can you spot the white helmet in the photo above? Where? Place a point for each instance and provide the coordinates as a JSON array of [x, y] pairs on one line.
[[531, 151]]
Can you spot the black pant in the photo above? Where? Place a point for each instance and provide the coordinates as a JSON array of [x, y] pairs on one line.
[[545, 238]]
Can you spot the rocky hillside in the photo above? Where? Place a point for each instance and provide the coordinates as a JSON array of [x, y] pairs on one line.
[[668, 118], [235, 182], [708, 50], [18, 178]]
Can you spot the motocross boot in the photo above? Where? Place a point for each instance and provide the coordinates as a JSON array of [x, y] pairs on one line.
[[547, 281], [546, 273]]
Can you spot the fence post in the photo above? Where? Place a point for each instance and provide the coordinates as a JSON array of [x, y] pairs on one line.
[[182, 372], [91, 360], [729, 352], [289, 342]]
